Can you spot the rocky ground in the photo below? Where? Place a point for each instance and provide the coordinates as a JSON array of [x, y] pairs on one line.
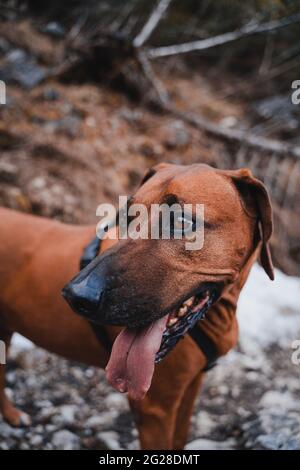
[[245, 404], [66, 146], [250, 400]]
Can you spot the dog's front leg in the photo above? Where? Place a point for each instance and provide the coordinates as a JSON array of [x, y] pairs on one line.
[[10, 413], [185, 412], [163, 416]]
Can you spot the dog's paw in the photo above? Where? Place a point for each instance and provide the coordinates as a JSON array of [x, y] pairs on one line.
[[16, 418], [24, 419]]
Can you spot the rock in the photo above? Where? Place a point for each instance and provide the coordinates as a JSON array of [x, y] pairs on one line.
[[8, 172], [277, 441], [283, 401], [130, 115], [67, 125], [65, 440], [147, 150], [281, 110], [46, 414], [204, 424], [104, 419], [273, 442], [68, 413], [229, 122], [176, 135], [117, 401], [90, 121], [109, 440], [4, 446], [274, 428], [54, 29], [134, 445], [7, 431], [36, 440], [21, 68], [207, 444], [4, 46], [38, 183], [50, 94]]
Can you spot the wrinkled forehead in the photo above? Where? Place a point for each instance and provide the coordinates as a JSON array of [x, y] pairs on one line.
[[196, 184]]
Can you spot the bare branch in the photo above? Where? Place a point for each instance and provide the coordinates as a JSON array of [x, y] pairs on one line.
[[155, 82], [152, 22], [203, 44], [236, 135]]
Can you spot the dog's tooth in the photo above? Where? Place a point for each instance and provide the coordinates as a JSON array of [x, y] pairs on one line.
[[172, 321], [189, 302], [182, 311]]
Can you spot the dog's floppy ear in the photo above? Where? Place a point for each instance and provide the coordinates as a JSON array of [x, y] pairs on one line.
[[151, 172], [257, 203]]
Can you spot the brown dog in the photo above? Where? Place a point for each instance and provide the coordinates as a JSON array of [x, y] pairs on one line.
[[136, 284]]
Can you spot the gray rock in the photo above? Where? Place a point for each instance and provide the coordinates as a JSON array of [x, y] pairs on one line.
[[204, 424], [105, 419], [8, 172], [68, 413], [130, 115], [117, 401], [65, 440], [273, 429], [176, 135], [21, 68], [54, 29], [280, 110], [36, 440], [275, 399], [67, 125], [207, 444], [4, 46], [109, 440], [50, 94]]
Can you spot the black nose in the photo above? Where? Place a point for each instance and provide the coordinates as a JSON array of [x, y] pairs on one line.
[[84, 295]]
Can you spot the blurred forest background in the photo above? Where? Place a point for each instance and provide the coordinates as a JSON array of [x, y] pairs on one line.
[[98, 91]]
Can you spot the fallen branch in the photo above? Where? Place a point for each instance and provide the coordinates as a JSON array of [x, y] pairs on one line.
[[203, 44], [152, 22], [268, 145], [157, 85]]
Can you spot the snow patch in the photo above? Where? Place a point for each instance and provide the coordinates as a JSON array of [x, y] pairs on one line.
[[268, 311]]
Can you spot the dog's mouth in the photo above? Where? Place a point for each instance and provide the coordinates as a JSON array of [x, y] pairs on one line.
[[182, 319], [136, 350]]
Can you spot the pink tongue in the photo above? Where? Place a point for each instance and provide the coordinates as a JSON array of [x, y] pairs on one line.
[[131, 364]]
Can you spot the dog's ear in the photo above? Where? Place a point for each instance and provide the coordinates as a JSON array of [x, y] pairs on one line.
[[256, 202], [151, 172]]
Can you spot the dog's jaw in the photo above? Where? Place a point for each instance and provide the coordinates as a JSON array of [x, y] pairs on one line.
[[182, 319], [136, 350]]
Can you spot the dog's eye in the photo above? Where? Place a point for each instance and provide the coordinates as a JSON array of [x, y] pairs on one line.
[[183, 224]]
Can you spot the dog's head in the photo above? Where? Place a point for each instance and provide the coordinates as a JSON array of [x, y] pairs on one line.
[[157, 288]]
